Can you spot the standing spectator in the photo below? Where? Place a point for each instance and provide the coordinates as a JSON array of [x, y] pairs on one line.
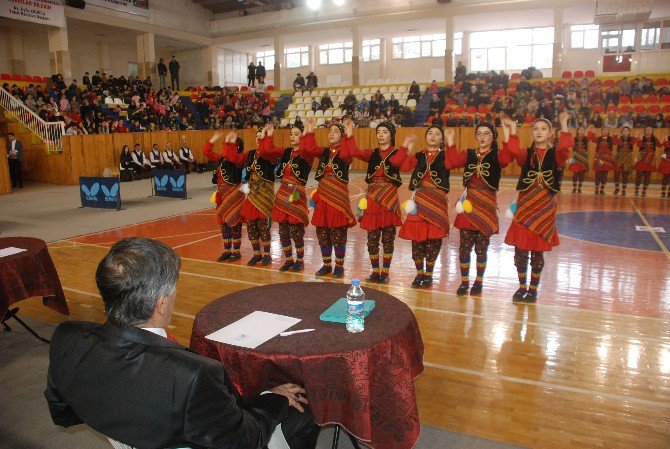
[[96, 80], [15, 156], [312, 82], [433, 88], [87, 81], [461, 72], [251, 74], [260, 73], [174, 72], [414, 92], [162, 72]]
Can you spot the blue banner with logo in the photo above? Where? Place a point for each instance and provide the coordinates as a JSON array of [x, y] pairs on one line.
[[170, 183], [100, 192]]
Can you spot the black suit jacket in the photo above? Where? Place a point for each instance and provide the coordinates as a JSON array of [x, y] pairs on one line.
[[18, 147], [149, 392]]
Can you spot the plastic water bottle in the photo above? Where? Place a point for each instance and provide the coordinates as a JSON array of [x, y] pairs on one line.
[[355, 309]]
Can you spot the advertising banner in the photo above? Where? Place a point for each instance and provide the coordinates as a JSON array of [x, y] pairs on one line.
[[170, 183], [100, 192], [46, 12], [140, 7]]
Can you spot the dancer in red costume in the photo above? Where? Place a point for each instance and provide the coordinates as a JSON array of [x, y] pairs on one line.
[[533, 230], [603, 162], [481, 177], [579, 163], [623, 160], [644, 166], [428, 223], [290, 206], [229, 198], [664, 169], [332, 212], [381, 214]]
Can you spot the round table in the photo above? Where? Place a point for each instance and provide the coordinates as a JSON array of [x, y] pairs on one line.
[[364, 381], [29, 273]]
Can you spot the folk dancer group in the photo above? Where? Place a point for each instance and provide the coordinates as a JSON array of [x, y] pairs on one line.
[[614, 153], [532, 232]]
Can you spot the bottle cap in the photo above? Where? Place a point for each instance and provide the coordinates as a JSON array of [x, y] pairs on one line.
[[356, 282]]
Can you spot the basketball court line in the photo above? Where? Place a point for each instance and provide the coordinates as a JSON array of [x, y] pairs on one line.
[[651, 229], [540, 384], [550, 386], [216, 234]]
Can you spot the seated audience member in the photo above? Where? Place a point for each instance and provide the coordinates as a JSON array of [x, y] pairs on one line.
[[326, 102], [170, 159], [156, 158], [129, 380], [126, 164], [186, 157], [141, 165], [315, 104], [312, 82], [414, 92], [299, 82]]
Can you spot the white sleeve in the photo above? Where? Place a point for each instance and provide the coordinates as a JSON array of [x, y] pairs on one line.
[[134, 156]]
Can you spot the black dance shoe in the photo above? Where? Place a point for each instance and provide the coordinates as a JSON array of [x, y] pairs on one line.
[[476, 289], [287, 265], [298, 267], [519, 295], [224, 256], [462, 290], [324, 270], [254, 260]]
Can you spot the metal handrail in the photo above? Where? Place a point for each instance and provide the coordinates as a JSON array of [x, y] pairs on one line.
[[50, 133]]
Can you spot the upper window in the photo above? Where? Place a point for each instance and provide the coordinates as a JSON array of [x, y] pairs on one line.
[[618, 40], [651, 36], [512, 49], [458, 43], [297, 57], [372, 50], [584, 36], [267, 58], [411, 47], [335, 53]]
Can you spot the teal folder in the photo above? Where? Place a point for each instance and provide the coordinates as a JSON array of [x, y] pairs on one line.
[[337, 313]]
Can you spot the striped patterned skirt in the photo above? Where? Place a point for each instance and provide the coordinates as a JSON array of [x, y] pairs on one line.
[[432, 218], [383, 206], [229, 201], [534, 224], [292, 212], [333, 207], [258, 205], [484, 215], [624, 161]]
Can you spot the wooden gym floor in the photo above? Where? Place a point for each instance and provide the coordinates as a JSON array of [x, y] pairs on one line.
[[588, 366]]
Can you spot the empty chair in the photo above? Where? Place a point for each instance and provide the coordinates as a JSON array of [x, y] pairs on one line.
[[589, 74], [309, 113], [337, 112], [292, 115], [365, 90], [383, 89], [356, 90], [339, 92], [359, 97], [567, 74], [402, 102], [320, 121], [291, 107], [402, 88], [368, 97], [318, 113], [388, 81], [411, 103], [578, 74], [284, 123], [393, 89]]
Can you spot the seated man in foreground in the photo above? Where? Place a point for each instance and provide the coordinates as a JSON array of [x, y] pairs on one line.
[[129, 381]]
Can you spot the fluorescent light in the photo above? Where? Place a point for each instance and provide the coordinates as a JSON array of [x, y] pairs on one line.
[[313, 4], [338, 2]]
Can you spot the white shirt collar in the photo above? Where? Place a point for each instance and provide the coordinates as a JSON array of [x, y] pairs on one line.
[[156, 330]]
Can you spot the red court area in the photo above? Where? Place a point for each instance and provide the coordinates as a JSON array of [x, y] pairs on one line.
[[578, 273]]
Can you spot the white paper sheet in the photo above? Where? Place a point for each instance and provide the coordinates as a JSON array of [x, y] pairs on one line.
[[253, 330], [4, 252]]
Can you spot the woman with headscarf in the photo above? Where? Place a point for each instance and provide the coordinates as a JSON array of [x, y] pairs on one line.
[[332, 211], [647, 143], [603, 162], [533, 229], [256, 212], [290, 205], [427, 222], [579, 163], [477, 218], [380, 207], [229, 198]]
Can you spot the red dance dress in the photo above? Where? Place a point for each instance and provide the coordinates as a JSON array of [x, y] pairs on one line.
[[646, 154], [229, 198], [259, 201], [534, 224]]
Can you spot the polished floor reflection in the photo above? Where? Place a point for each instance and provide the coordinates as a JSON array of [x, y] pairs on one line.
[[588, 366]]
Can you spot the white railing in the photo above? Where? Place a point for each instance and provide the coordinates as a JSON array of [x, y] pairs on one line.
[[50, 133]]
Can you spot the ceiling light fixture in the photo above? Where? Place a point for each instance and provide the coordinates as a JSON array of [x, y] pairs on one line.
[[338, 2], [313, 4]]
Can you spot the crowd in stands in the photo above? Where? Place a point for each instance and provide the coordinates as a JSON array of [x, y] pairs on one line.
[[104, 104], [488, 97]]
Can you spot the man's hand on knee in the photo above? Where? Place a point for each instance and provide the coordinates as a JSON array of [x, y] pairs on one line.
[[294, 393]]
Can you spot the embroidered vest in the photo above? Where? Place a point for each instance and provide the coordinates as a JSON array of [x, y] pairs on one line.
[[391, 172], [549, 174], [299, 166], [230, 173], [488, 168], [340, 169], [437, 171], [262, 167]]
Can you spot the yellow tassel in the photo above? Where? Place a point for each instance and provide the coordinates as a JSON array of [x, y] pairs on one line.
[[212, 199], [467, 206], [311, 194], [363, 203]]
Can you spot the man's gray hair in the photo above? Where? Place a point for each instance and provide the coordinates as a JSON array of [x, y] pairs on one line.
[[136, 272]]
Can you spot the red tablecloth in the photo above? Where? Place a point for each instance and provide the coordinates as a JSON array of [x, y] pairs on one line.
[[364, 381], [29, 273]]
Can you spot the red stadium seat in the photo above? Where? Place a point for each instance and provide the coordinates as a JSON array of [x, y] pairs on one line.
[[612, 108], [271, 87], [578, 74], [515, 76], [597, 108], [27, 78], [608, 83], [529, 118], [451, 101], [459, 110], [589, 74], [5, 76], [637, 99], [512, 85], [511, 91], [45, 79], [665, 98], [500, 93], [482, 109], [666, 108], [244, 88], [16, 77], [661, 82], [652, 99], [625, 108], [654, 109], [471, 110], [639, 109], [566, 74], [37, 79], [624, 99]]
